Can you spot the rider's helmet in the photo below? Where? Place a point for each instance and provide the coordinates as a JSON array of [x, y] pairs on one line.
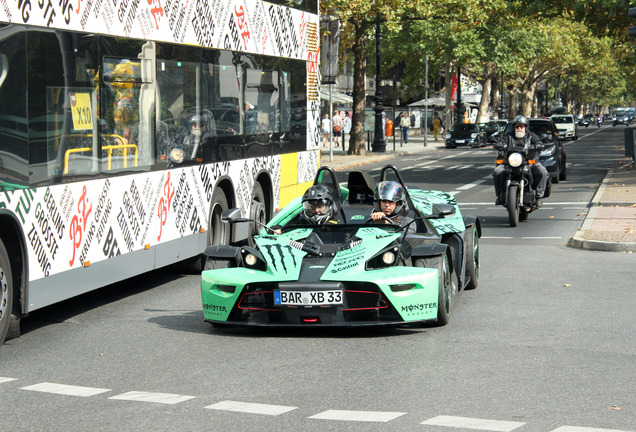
[[200, 120], [390, 191], [521, 119], [318, 204]]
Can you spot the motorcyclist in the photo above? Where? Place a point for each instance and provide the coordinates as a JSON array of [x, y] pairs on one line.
[[389, 201], [522, 137], [197, 137]]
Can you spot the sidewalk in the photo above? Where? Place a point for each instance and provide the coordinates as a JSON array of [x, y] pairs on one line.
[[341, 160], [610, 224]]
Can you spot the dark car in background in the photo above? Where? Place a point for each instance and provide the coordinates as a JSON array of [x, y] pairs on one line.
[[465, 134], [492, 127], [553, 156]]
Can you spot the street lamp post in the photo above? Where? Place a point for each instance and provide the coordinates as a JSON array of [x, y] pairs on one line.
[[379, 143]]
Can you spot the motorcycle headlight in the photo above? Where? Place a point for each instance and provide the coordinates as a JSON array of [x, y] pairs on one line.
[[515, 159], [176, 155]]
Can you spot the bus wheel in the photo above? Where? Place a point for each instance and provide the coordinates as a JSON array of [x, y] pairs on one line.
[[218, 231], [6, 292], [258, 211]]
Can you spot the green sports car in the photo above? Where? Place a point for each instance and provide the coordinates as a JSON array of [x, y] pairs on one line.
[[357, 272]]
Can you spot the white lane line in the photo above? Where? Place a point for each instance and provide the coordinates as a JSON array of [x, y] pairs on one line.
[[63, 389], [452, 167], [251, 408], [490, 203], [362, 416], [473, 423], [585, 429], [162, 398], [5, 379], [471, 185]]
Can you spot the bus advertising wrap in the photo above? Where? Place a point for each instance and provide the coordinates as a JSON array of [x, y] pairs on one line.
[[237, 25]]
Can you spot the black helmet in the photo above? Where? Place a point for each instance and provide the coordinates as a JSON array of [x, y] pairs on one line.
[[521, 119], [198, 119], [318, 196], [390, 191]]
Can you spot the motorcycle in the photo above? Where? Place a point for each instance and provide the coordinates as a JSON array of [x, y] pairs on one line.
[[517, 193]]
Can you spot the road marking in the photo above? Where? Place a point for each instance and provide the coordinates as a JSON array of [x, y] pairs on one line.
[[471, 185], [585, 429], [552, 204], [363, 416], [4, 379], [251, 408], [162, 398], [473, 423], [63, 389]]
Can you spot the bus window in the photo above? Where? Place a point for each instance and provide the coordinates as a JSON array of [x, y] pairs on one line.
[[184, 90], [13, 115], [223, 94], [262, 101], [61, 104]]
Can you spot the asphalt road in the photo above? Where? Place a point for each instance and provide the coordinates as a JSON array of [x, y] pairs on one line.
[[545, 343]]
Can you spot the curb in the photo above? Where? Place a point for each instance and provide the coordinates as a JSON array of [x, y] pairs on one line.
[[580, 242]]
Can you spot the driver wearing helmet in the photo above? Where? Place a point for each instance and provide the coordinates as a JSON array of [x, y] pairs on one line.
[[521, 136], [389, 198], [318, 209]]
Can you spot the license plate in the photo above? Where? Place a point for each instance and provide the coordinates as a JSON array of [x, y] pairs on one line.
[[459, 141], [308, 298]]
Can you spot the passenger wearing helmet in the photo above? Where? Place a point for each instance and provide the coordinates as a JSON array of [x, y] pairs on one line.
[[521, 136], [197, 141], [389, 202], [318, 206]]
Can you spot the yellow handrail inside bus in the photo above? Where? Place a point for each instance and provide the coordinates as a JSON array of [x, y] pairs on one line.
[[109, 148]]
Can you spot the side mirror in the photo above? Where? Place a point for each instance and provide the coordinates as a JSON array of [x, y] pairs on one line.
[[239, 227], [443, 210]]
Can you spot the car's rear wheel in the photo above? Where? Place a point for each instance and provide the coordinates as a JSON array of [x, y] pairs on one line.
[[471, 251], [445, 291], [563, 173]]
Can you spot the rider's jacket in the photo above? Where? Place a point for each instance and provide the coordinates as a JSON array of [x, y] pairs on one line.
[[529, 142]]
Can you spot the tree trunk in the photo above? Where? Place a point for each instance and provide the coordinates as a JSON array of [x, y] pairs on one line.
[[485, 94], [356, 140], [494, 94], [527, 90], [448, 73]]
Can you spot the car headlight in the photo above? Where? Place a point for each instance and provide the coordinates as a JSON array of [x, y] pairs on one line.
[[388, 258], [176, 155], [448, 136], [546, 152], [515, 159], [253, 259], [473, 135]]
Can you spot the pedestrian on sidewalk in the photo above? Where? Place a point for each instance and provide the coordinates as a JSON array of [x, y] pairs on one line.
[[326, 129], [405, 124], [436, 125], [337, 127]]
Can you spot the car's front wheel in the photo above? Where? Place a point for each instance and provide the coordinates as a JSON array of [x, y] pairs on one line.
[[444, 290]]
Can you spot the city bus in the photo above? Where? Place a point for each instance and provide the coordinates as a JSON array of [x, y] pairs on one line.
[[127, 127]]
